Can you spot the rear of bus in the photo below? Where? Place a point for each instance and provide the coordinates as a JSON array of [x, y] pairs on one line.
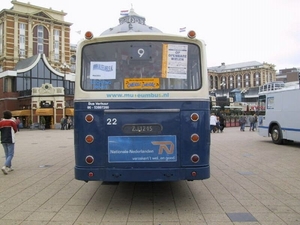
[[141, 109]]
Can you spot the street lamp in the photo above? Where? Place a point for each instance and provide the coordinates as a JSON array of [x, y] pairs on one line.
[[243, 92], [213, 91], [223, 84]]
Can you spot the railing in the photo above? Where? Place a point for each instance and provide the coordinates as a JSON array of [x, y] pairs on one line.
[[25, 93], [272, 86]]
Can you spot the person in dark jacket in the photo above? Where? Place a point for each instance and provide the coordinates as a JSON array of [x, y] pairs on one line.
[[8, 128], [222, 122], [243, 121]]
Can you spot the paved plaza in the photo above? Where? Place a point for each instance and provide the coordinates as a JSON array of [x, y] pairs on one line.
[[253, 182]]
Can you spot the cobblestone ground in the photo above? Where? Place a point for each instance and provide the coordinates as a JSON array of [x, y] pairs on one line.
[[252, 182]]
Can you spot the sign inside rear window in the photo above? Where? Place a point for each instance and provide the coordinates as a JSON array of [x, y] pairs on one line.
[[124, 149], [140, 52], [103, 70], [141, 83], [174, 61]]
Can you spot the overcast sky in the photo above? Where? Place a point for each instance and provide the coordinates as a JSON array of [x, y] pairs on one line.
[[235, 31]]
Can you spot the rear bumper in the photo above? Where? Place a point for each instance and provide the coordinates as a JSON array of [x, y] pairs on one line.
[[140, 174]]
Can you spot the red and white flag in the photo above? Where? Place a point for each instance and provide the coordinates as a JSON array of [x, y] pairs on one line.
[[124, 12]]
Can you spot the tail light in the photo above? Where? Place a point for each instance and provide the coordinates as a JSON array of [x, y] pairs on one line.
[[194, 117], [89, 159], [195, 158], [89, 139], [194, 173], [91, 174], [89, 118], [195, 137]]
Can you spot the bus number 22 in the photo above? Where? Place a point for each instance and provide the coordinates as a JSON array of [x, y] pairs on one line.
[[111, 121]]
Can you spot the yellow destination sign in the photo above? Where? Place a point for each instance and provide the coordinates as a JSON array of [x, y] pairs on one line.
[[141, 83]]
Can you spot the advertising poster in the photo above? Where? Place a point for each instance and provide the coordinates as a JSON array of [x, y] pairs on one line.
[[128, 149]]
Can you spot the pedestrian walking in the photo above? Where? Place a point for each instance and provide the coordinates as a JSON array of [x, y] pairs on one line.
[[243, 121], [252, 120], [255, 121], [8, 128], [213, 123], [222, 122], [65, 125], [62, 123], [18, 121], [69, 123]]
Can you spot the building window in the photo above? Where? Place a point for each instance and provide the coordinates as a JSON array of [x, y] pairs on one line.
[[1, 38], [270, 77], [38, 76], [40, 36], [22, 29], [73, 68], [73, 59], [5, 84], [257, 79], [215, 83], [238, 81], [211, 78], [223, 83], [231, 82], [9, 84], [56, 45], [247, 80]]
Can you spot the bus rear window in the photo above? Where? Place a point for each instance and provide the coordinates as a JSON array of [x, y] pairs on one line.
[[140, 65]]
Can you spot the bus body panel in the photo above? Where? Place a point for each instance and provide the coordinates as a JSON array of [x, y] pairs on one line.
[[112, 163]]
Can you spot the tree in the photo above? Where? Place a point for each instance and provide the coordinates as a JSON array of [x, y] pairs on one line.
[[42, 123], [42, 120]]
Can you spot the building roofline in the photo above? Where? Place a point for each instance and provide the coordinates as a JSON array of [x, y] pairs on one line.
[[15, 2]]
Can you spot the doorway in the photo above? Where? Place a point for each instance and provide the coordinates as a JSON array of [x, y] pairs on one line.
[[48, 122]]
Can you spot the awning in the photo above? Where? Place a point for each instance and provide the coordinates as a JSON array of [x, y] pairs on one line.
[[44, 112], [233, 107], [69, 111], [25, 112]]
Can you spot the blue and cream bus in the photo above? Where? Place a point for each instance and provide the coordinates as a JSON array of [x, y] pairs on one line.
[[141, 108]]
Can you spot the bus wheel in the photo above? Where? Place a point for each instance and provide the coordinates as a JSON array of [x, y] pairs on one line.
[[276, 135]]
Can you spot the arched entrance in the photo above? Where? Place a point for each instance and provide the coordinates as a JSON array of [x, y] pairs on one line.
[[45, 117]]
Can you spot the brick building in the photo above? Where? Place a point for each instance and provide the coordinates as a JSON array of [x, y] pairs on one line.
[[35, 53], [288, 75]]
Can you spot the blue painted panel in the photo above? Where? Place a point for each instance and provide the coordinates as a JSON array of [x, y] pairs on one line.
[[124, 149]]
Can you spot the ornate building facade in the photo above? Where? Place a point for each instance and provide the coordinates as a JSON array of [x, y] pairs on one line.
[[35, 50], [241, 76], [237, 84], [27, 30]]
